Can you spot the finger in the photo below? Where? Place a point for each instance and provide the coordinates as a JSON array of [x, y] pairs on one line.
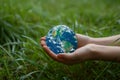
[[51, 54], [64, 56], [67, 59], [67, 56], [43, 42], [43, 38]]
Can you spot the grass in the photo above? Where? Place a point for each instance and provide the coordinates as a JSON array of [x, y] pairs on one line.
[[23, 22]]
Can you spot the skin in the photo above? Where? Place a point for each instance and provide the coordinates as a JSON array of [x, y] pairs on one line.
[[89, 48]]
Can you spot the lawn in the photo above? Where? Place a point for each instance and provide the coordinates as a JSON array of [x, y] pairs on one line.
[[24, 22]]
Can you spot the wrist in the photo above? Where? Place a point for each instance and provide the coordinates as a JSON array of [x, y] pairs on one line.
[[92, 40], [93, 52], [83, 40]]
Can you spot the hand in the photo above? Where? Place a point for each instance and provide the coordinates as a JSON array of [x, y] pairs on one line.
[[81, 54], [88, 49]]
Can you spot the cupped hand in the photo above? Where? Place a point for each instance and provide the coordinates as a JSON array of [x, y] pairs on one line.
[[81, 54]]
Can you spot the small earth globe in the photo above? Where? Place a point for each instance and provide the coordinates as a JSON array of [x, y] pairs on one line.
[[61, 39]]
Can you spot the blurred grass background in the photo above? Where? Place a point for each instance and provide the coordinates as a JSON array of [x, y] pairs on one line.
[[23, 22]]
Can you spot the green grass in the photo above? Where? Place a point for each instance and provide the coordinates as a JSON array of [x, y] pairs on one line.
[[23, 22]]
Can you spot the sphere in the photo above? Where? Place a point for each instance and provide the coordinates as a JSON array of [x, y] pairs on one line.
[[61, 39]]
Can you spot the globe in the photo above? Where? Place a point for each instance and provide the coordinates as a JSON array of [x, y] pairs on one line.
[[61, 39]]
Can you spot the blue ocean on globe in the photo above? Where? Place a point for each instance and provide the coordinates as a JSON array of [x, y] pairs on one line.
[[61, 39]]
